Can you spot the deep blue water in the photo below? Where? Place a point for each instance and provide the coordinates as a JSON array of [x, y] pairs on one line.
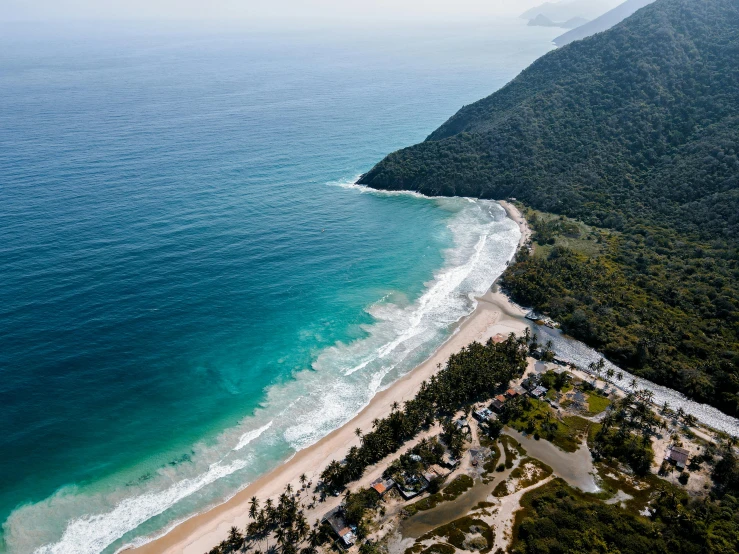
[[179, 265]]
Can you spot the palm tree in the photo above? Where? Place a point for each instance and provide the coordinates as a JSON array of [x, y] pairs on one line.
[[235, 538], [253, 507], [633, 384], [302, 479], [610, 372], [358, 432]]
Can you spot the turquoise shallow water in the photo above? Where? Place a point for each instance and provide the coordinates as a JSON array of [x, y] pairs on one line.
[[189, 294]]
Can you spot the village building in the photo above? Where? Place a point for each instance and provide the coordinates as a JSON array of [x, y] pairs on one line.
[[530, 383], [482, 415], [382, 486], [462, 423], [418, 482], [449, 461], [335, 518], [678, 456], [496, 405]]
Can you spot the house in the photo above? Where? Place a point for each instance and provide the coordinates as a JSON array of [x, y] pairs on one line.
[[449, 461], [511, 393], [412, 486], [678, 456], [539, 392], [496, 405], [381, 486], [482, 415], [530, 383], [462, 423], [440, 471], [434, 472], [335, 518]]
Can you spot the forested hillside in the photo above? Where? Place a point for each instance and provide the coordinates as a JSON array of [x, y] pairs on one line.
[[602, 23], [635, 130]]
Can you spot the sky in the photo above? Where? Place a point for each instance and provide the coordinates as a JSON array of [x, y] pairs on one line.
[[388, 10]]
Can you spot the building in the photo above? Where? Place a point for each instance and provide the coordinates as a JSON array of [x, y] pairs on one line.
[[539, 392], [440, 471], [462, 424], [482, 415], [678, 456], [449, 461], [530, 383], [496, 405], [335, 518], [381, 486], [511, 393], [434, 472], [414, 485]]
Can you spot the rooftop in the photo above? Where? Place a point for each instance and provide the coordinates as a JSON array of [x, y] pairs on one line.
[[679, 455]]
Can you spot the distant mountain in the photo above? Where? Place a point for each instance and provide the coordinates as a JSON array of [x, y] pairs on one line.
[[543, 21], [602, 23], [636, 131], [574, 23], [567, 9]]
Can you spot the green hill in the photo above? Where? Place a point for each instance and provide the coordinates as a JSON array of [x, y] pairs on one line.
[[634, 130]]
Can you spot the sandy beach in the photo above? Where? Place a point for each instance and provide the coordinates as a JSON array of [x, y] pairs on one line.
[[494, 315]]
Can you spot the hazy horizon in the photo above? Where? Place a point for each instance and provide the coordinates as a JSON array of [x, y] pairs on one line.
[[254, 11]]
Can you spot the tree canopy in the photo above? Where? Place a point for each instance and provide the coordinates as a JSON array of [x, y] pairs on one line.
[[634, 130]]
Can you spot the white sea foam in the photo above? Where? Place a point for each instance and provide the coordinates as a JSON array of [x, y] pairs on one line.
[[92, 534], [295, 414], [352, 185], [249, 436], [402, 336]]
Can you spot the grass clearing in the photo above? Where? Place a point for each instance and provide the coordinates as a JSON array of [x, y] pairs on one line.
[[597, 403], [540, 421]]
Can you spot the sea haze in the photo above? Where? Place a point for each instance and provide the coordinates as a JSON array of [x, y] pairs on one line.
[[189, 294]]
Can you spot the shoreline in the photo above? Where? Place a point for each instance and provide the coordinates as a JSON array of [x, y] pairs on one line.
[[494, 315]]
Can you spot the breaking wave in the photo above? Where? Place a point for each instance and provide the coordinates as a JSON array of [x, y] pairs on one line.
[[107, 517]]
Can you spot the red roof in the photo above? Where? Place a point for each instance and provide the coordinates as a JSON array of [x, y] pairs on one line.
[[379, 487], [500, 398]]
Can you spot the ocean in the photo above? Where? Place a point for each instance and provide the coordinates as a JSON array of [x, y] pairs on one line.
[[192, 290]]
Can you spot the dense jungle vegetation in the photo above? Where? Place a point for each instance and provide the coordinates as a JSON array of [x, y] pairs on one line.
[[635, 132], [558, 519]]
